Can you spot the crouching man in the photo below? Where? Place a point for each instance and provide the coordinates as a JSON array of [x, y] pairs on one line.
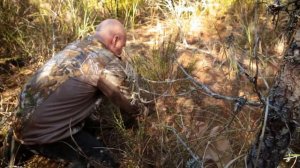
[[60, 96]]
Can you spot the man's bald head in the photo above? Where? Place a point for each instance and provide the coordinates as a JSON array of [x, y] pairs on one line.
[[112, 34], [110, 24]]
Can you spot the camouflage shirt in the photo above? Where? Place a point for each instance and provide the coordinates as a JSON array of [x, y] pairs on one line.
[[62, 93]]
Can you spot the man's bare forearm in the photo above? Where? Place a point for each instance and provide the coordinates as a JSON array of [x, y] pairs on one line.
[[113, 93]]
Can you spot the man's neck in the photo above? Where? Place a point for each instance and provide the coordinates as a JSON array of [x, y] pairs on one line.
[[98, 37]]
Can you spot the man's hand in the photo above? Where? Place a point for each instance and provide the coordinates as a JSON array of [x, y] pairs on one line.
[[113, 93]]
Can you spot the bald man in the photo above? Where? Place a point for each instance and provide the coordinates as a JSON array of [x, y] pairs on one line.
[[55, 102]]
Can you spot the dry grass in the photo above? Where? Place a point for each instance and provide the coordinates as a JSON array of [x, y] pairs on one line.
[[187, 126]]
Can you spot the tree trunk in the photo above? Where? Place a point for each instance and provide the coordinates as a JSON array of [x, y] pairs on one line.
[[283, 113]]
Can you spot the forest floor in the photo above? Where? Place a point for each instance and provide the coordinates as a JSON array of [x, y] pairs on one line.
[[209, 126]]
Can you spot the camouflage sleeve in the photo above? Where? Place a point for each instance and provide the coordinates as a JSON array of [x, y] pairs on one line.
[[122, 75]]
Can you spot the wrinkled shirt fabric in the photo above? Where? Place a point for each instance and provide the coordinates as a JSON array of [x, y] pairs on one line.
[[62, 93]]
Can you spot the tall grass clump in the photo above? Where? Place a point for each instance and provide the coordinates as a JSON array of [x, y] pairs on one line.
[[39, 28], [216, 7], [160, 62], [126, 10], [15, 18], [184, 16]]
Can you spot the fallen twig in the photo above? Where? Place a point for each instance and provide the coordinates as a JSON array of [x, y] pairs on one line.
[[165, 81], [195, 157], [211, 93], [263, 130]]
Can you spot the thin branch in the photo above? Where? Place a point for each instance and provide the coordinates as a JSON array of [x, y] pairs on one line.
[[161, 95], [180, 45], [232, 161], [215, 95], [206, 147], [257, 39], [253, 80], [168, 95], [165, 81], [263, 130], [239, 64], [195, 157], [211, 93]]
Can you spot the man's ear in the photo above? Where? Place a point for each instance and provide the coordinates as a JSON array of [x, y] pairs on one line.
[[115, 40]]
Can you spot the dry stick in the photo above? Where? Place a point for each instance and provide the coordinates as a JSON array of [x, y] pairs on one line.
[[195, 157], [256, 73], [245, 161], [208, 143], [168, 95], [157, 94], [79, 149], [165, 81], [255, 82], [294, 162], [232, 161], [242, 70], [12, 159], [257, 39], [263, 130], [240, 101], [209, 92], [71, 133]]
